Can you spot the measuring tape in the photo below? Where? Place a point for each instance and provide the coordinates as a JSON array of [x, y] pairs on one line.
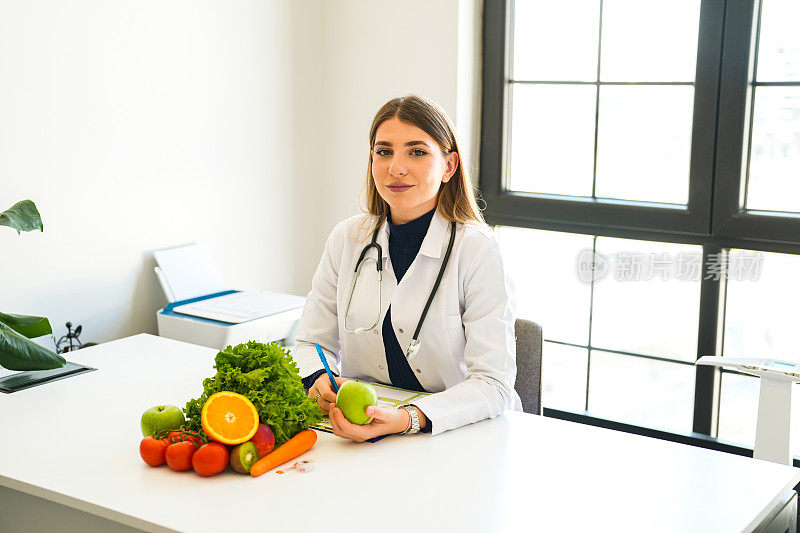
[[300, 466]]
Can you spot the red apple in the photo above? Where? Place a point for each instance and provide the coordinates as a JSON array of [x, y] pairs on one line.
[[264, 440]]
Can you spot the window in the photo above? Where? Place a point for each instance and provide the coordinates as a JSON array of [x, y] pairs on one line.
[[611, 345], [771, 178], [640, 163], [594, 116]]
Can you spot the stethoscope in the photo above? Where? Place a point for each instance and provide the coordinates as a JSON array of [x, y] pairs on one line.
[[413, 347]]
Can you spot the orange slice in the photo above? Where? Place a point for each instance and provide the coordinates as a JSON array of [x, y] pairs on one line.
[[229, 418]]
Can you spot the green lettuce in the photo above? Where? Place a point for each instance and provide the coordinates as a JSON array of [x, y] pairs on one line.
[[268, 376]]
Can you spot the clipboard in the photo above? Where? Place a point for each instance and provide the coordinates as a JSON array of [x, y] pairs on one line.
[[16, 381]]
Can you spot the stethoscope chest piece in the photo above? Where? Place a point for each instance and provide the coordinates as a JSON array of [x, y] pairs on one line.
[[413, 349]]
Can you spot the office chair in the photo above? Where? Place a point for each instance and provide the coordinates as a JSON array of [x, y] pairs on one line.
[[529, 365]]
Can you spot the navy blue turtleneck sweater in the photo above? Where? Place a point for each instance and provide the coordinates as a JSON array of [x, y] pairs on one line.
[[405, 241]]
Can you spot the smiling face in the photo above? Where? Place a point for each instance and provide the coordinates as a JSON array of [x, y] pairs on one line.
[[408, 168]]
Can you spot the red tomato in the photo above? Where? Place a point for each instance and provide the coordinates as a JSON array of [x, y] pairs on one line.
[[210, 459], [179, 455], [177, 436], [153, 451]]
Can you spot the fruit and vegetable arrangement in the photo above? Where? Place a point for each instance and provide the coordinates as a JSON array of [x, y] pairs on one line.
[[253, 415]]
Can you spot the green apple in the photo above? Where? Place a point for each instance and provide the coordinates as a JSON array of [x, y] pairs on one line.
[[160, 418], [353, 399]]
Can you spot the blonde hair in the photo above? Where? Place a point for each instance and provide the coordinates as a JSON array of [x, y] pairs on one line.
[[456, 198]]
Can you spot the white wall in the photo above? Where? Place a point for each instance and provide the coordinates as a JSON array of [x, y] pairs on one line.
[[242, 124], [375, 51]]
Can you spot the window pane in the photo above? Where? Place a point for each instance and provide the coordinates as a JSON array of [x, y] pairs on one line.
[[644, 142], [761, 317], [564, 377], [738, 408], [761, 320], [641, 391], [541, 265], [649, 301], [552, 139], [774, 182], [644, 41], [556, 41], [779, 41]]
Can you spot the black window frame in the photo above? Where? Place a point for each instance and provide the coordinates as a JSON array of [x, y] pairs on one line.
[[731, 220], [713, 217]]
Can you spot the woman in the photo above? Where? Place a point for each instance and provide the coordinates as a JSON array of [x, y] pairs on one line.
[[423, 216]]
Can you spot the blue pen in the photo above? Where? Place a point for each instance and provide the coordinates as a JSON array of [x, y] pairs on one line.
[[327, 368]]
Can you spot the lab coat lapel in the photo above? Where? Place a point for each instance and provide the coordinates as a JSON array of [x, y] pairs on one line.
[[389, 277], [434, 241], [432, 244], [383, 240]]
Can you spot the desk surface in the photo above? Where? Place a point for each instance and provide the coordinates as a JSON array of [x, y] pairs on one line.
[[75, 442]]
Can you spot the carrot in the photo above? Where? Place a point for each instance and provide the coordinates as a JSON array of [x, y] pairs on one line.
[[302, 442]]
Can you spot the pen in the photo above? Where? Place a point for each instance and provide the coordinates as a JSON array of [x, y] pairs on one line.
[[327, 368]]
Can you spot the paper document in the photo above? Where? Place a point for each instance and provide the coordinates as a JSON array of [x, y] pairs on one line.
[[242, 306], [388, 396], [189, 271]]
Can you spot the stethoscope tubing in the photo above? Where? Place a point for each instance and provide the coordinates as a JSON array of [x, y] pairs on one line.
[[413, 347], [357, 272]]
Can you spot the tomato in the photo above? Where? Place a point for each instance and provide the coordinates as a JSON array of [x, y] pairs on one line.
[[210, 459], [179, 436], [179, 455], [153, 451]]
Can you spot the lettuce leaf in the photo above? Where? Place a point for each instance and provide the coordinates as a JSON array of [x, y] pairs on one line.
[[268, 376]]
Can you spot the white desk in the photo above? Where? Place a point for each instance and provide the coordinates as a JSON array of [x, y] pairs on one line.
[[75, 442]]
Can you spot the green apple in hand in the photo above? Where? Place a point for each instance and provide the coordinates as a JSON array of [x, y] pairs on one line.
[[353, 399], [160, 418]]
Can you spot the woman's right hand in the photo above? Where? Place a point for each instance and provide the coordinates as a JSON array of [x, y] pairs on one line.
[[322, 392]]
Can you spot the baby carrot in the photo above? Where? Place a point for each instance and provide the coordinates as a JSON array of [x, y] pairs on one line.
[[302, 442]]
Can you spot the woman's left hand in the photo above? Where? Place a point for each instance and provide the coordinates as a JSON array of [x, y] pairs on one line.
[[385, 420]]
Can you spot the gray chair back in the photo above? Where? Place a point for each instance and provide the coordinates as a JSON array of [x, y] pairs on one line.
[[529, 365]]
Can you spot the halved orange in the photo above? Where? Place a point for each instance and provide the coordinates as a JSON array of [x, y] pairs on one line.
[[229, 418]]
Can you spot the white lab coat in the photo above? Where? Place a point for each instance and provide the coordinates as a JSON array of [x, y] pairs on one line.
[[467, 355]]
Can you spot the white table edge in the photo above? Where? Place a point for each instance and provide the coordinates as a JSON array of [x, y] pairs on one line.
[[81, 505], [759, 519]]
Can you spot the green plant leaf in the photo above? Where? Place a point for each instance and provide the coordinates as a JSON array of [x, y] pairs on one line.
[[19, 353], [30, 326], [22, 216]]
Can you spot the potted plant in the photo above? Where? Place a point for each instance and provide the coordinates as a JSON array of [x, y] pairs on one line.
[[17, 351]]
